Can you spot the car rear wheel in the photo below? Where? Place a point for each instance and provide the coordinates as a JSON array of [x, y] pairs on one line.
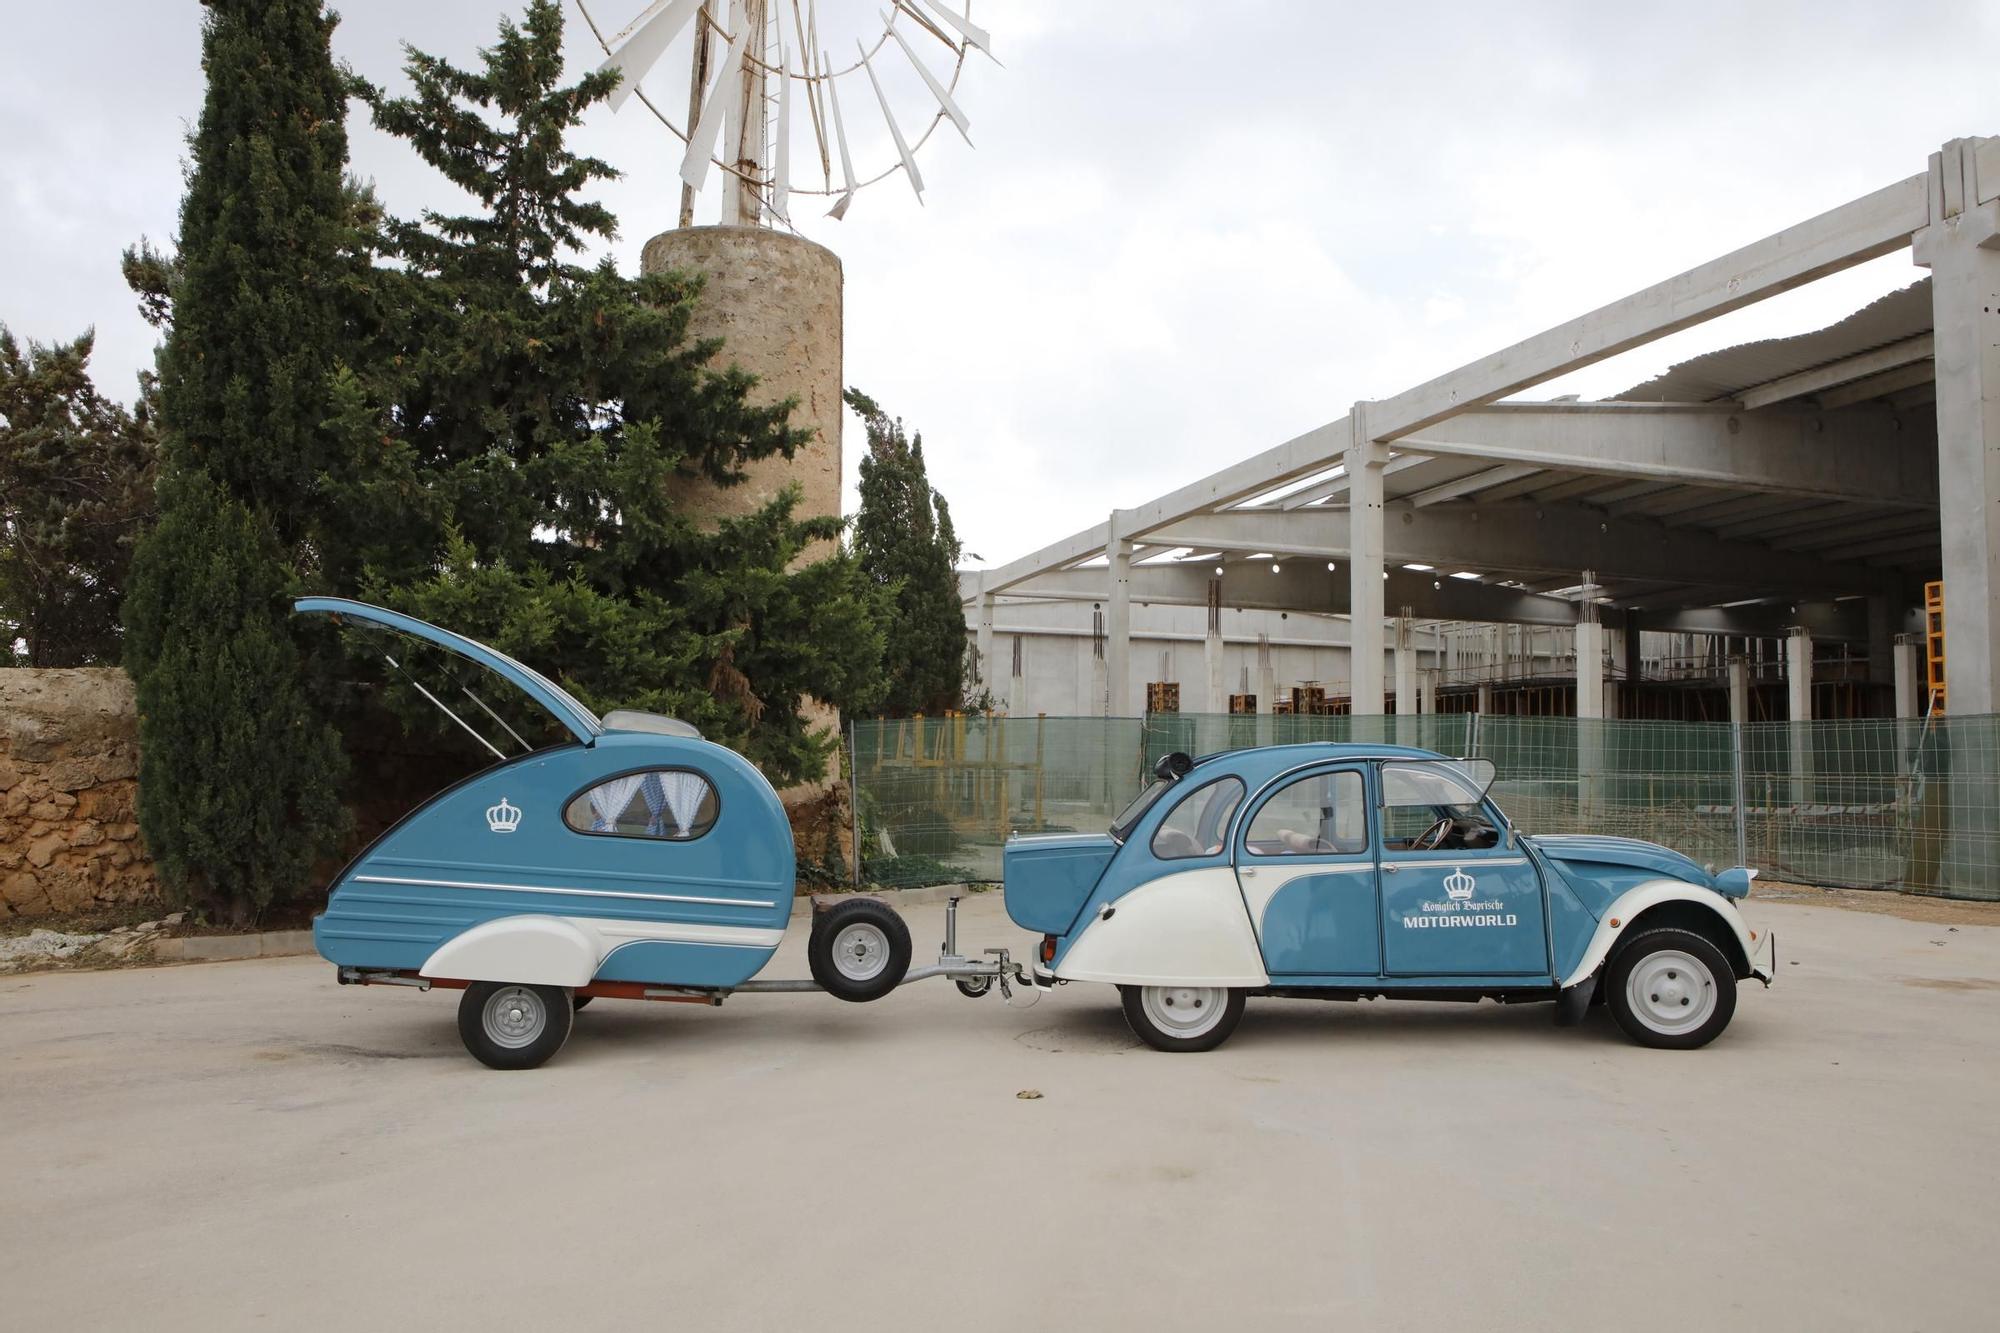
[[1671, 989], [507, 1026], [1182, 1018]]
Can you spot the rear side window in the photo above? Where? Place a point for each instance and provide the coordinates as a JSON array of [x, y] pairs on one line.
[[674, 804], [1317, 815], [1199, 825]]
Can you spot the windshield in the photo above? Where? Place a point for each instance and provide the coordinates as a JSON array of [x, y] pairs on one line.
[[1122, 822]]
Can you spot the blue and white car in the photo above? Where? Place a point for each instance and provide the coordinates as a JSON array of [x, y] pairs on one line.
[[1349, 872]]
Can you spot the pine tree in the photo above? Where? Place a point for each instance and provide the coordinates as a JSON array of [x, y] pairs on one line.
[[76, 488], [540, 408], [904, 538], [239, 782]]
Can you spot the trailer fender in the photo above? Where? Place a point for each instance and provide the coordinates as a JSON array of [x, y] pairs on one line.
[[1627, 907], [528, 950]]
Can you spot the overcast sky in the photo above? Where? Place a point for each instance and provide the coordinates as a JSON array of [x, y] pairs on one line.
[[1188, 231]]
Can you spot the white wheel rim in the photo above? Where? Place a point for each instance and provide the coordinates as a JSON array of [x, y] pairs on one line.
[[1184, 1011], [861, 952], [1670, 992], [514, 1017]]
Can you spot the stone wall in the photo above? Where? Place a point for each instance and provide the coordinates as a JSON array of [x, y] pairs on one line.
[[69, 764]]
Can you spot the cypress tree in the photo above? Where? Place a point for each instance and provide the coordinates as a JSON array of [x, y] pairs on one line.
[[239, 782], [76, 487], [539, 409], [904, 538]]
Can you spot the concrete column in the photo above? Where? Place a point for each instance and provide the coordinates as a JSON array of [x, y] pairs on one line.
[[1798, 683], [1739, 689], [1909, 665], [1364, 460], [1017, 686], [1485, 700], [1406, 668], [1427, 684], [1958, 248], [1267, 677], [1118, 620], [985, 673], [1212, 653], [1589, 669]]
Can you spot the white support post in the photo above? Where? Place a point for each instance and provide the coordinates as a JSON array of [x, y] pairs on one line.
[[1589, 700], [1118, 623], [1798, 681], [1485, 700], [1212, 653], [1364, 461], [983, 649], [1017, 686], [1267, 677], [1739, 690], [1959, 248], [1427, 683], [1909, 675], [1589, 668], [1406, 669]]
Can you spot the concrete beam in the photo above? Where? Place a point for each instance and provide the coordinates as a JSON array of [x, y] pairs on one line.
[[1879, 386], [1866, 455], [1839, 238], [1833, 622], [1844, 371], [1524, 538], [1307, 588]]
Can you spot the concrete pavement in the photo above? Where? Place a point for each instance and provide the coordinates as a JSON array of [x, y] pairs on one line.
[[246, 1144]]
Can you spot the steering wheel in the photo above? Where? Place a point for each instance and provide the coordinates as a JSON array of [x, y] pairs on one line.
[[1428, 840]]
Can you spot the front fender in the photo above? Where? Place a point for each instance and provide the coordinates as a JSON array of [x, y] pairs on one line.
[[1634, 902], [528, 950], [1184, 929]]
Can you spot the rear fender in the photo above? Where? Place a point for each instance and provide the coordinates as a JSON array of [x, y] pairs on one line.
[[1188, 928], [528, 950], [1639, 906]]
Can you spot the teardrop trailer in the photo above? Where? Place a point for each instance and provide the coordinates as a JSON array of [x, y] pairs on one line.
[[634, 861]]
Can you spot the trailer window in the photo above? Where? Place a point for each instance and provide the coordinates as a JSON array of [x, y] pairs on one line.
[[675, 804]]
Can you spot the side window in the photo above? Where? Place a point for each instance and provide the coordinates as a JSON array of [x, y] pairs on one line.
[[1317, 815], [670, 803], [1436, 806], [1199, 825]]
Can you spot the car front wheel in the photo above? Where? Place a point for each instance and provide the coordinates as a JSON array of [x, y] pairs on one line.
[[1182, 1018], [1671, 989]]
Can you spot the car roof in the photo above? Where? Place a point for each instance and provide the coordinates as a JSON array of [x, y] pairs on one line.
[[1306, 752]]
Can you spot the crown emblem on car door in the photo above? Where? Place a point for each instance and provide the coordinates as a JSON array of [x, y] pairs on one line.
[[1458, 885], [504, 817]]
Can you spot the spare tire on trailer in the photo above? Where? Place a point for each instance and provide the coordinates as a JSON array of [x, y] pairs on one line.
[[859, 949]]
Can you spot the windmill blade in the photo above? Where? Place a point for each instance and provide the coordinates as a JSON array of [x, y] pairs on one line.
[[967, 29], [937, 89], [781, 170], [701, 143], [812, 95], [839, 209], [648, 43], [923, 20], [895, 130]]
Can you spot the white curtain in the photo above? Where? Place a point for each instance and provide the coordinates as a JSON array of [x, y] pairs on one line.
[[683, 793], [609, 799]]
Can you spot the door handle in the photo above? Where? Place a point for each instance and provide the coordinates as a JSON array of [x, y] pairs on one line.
[[1249, 872], [1390, 868]]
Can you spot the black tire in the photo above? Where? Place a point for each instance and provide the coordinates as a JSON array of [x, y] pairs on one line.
[[874, 948], [973, 987], [576, 1002], [1212, 1028], [518, 1037], [1651, 955]]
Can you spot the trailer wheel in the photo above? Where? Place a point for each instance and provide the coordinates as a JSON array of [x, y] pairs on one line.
[[973, 987], [859, 950], [506, 1026], [1182, 1018]]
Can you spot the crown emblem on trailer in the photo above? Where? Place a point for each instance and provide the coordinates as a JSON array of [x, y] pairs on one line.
[[1458, 885], [504, 817]]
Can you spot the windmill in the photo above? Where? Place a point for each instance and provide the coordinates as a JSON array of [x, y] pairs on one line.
[[763, 83]]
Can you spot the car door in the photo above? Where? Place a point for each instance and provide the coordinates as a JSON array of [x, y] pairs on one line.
[[1471, 906], [1305, 860]]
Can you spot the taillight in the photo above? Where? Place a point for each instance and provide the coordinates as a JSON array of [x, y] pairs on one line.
[[1048, 948]]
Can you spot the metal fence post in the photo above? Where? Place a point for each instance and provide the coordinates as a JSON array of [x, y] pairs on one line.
[[1742, 814]]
